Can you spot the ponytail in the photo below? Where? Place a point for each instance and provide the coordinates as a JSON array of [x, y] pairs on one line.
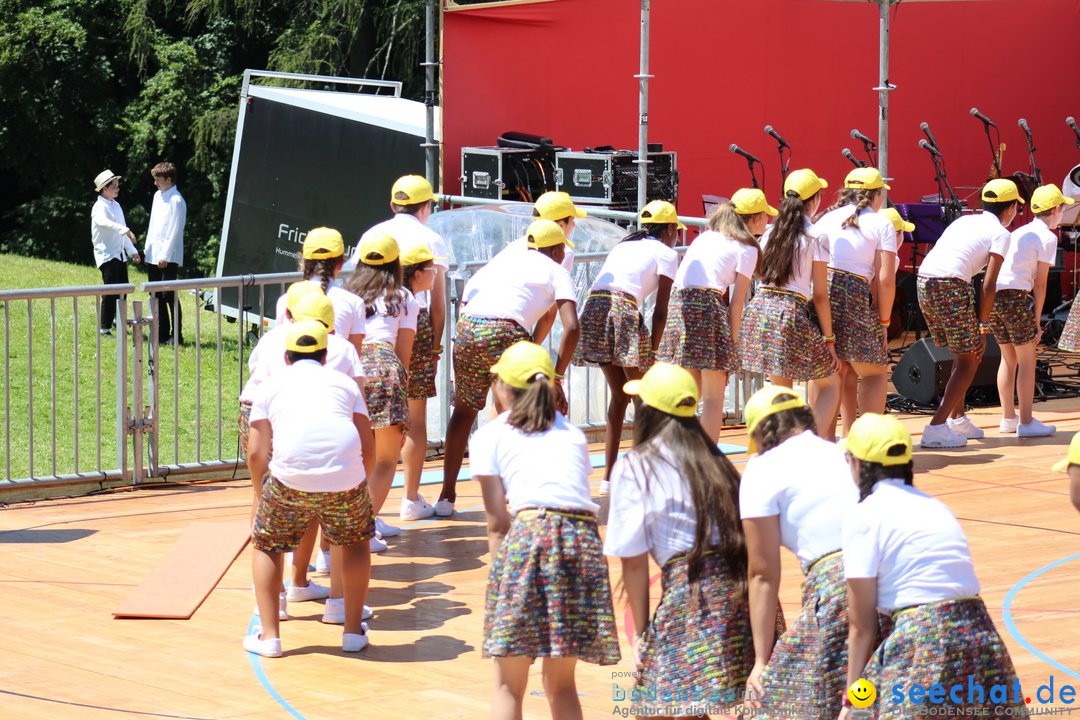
[[324, 268], [533, 409], [861, 200], [654, 230], [778, 258], [871, 474], [725, 220]]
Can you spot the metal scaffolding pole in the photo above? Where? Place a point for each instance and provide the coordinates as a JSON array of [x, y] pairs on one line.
[[884, 87], [431, 148], [643, 78]]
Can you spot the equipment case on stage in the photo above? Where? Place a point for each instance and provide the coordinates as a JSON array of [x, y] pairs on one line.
[[610, 178]]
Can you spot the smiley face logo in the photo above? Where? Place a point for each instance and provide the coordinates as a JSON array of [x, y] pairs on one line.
[[862, 693]]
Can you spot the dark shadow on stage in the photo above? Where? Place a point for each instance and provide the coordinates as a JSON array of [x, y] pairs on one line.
[[38, 537]]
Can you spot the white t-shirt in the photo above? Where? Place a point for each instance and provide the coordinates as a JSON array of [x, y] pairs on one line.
[[651, 509], [635, 267], [912, 544], [384, 328], [522, 292], [713, 260], [964, 248], [813, 247], [544, 470], [521, 245], [267, 359], [807, 482], [407, 230], [854, 249], [1029, 245], [316, 446], [348, 311]]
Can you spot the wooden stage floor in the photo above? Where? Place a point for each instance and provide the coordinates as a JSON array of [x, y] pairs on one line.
[[68, 563]]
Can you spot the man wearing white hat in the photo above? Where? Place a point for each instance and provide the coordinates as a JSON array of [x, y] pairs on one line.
[[113, 243]]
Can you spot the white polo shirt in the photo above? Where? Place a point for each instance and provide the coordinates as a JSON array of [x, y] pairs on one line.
[[813, 247], [964, 248], [108, 232], [316, 445], [854, 249], [382, 327], [713, 260], [267, 359], [522, 291], [651, 509], [912, 544], [521, 245], [806, 481], [348, 310], [407, 230], [635, 267], [543, 470], [1029, 245]]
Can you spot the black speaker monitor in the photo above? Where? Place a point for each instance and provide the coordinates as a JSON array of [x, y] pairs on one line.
[[923, 371]]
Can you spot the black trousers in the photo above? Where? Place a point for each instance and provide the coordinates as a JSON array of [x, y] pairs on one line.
[[113, 272], [166, 318]]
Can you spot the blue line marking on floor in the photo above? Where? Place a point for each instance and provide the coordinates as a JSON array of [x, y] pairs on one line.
[[1010, 624], [256, 665]]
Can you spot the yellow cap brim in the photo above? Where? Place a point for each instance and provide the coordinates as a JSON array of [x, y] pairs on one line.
[[823, 183], [579, 213], [908, 227], [633, 387], [1061, 465], [1068, 200], [886, 186], [771, 211], [569, 243], [680, 225]]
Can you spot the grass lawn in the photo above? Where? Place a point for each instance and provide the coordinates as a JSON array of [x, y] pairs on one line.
[[61, 355]]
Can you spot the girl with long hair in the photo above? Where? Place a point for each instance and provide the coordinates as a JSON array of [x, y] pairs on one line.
[[613, 334], [779, 337], [703, 321], [548, 594], [675, 497]]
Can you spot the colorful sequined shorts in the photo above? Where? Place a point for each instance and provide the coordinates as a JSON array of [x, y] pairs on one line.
[[612, 331], [284, 514], [548, 593], [698, 331], [422, 364], [1070, 335], [943, 644], [948, 305], [243, 424], [859, 335], [478, 344], [384, 389], [779, 338], [1013, 319]]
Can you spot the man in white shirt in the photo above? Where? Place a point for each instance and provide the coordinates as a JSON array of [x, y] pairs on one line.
[[165, 247], [113, 243]]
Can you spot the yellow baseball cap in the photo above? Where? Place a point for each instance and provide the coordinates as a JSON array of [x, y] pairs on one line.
[[310, 304], [322, 243], [411, 190], [660, 212], [557, 206], [545, 233], [764, 403], [378, 249], [668, 388], [751, 201], [521, 363], [805, 182], [1073, 458], [307, 337], [897, 220], [872, 436], [865, 178], [416, 252], [1001, 190], [1048, 197]]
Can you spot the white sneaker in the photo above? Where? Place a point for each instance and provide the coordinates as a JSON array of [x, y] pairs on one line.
[[1007, 425], [334, 613], [940, 436], [1035, 429], [386, 530], [267, 648], [964, 427], [354, 642], [322, 561], [283, 607], [444, 508], [417, 509], [311, 591], [377, 545], [605, 487]]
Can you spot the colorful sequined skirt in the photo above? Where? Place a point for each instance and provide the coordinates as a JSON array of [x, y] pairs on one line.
[[612, 331], [859, 335], [698, 331], [948, 305], [779, 338], [548, 592], [1013, 320], [943, 644], [384, 389], [1070, 335], [478, 345], [422, 364]]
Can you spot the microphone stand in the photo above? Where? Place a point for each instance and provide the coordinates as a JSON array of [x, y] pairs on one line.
[[1031, 158], [871, 152], [753, 175], [950, 202], [785, 162], [993, 150]]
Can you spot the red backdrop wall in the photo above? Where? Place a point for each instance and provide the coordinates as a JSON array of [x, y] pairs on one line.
[[725, 68]]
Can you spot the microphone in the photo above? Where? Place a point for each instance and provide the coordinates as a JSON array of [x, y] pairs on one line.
[[846, 152], [1071, 122], [739, 151], [862, 138], [986, 121], [929, 148], [776, 136], [1024, 126], [929, 135]]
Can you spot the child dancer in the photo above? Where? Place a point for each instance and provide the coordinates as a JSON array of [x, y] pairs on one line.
[[548, 594], [703, 322], [906, 555], [947, 300], [795, 493], [613, 334], [778, 336], [1018, 306], [1070, 464], [675, 497]]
